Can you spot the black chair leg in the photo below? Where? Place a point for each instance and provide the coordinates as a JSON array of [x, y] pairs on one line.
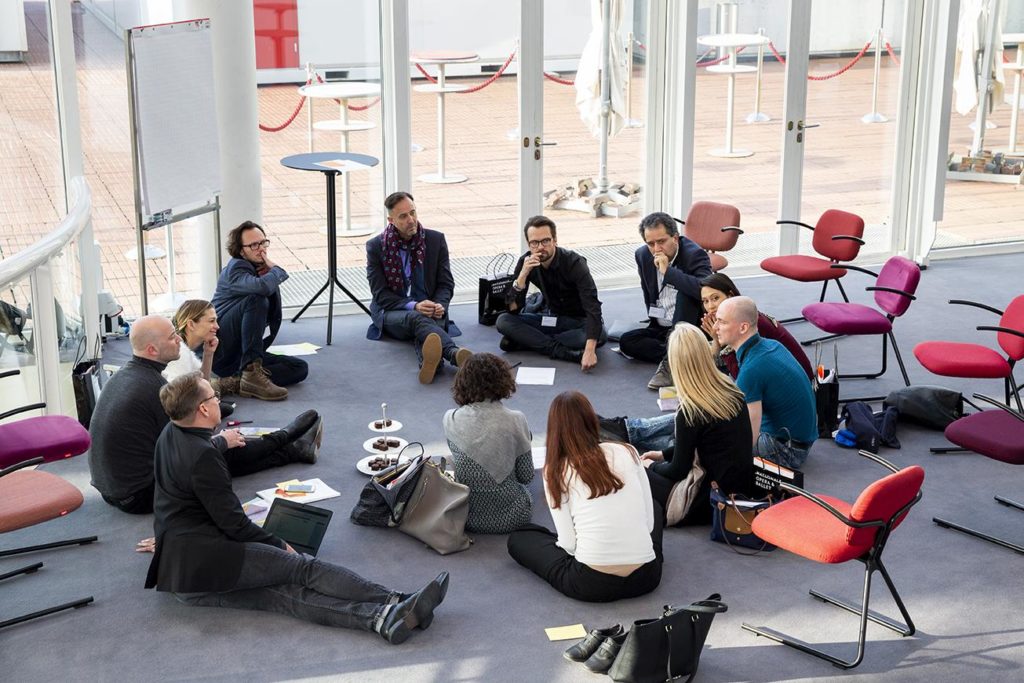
[[30, 569], [1010, 503], [74, 604], [47, 546], [800, 318], [899, 359], [842, 291], [942, 450], [875, 375], [946, 524]]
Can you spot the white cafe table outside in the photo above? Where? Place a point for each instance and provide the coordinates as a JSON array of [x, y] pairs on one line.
[[440, 59], [731, 42], [342, 91]]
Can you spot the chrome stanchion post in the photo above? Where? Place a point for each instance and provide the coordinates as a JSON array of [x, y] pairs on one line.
[[309, 107], [874, 116], [757, 116]]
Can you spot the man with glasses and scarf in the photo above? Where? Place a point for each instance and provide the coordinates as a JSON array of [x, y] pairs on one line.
[[248, 301], [564, 322], [411, 283]]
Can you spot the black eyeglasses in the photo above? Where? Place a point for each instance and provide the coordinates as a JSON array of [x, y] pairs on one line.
[[257, 245], [216, 395], [546, 242]]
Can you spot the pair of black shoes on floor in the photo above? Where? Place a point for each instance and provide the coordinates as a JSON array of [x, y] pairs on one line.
[[598, 650], [415, 610]]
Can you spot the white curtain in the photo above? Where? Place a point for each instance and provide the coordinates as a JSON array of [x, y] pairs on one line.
[[588, 74]]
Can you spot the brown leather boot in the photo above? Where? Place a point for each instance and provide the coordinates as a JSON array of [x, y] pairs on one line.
[[227, 386], [256, 384]]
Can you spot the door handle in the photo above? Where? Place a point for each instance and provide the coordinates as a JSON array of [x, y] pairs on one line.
[[800, 125], [538, 143]]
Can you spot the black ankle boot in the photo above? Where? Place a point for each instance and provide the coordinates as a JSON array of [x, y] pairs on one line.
[[301, 424], [563, 352], [306, 448]]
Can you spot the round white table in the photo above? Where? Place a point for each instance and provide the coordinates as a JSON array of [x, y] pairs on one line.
[[440, 59], [731, 42], [342, 91]]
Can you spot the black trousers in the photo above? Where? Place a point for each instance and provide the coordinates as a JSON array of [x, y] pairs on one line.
[[535, 548], [242, 342], [648, 344], [257, 455], [700, 509]]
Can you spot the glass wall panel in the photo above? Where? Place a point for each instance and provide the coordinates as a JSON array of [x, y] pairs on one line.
[[17, 348]]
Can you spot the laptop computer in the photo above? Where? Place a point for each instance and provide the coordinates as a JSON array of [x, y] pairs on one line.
[[302, 526]]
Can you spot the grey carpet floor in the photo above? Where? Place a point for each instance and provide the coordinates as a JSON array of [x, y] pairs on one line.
[[965, 595]]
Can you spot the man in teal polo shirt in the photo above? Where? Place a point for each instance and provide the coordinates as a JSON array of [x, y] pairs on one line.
[[778, 395]]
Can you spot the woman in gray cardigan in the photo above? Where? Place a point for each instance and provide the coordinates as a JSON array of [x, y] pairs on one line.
[[490, 445]]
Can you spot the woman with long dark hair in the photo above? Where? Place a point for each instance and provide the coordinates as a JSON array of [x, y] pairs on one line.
[[607, 540]]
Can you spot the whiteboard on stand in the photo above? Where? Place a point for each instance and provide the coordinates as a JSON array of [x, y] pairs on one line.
[[175, 116]]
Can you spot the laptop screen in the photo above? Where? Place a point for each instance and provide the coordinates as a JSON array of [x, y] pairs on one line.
[[302, 526]]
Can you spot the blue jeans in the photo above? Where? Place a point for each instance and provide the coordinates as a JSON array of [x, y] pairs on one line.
[[275, 580], [525, 330], [652, 433], [406, 325], [781, 450], [241, 341]]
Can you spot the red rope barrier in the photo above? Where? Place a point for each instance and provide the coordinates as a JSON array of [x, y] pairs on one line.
[[556, 79], [715, 61], [892, 55], [825, 77], [356, 107], [426, 75], [275, 129], [497, 74]]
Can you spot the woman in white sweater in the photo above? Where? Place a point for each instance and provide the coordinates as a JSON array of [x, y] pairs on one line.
[[196, 323], [608, 540]]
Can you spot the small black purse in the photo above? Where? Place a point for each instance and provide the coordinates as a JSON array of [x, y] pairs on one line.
[[667, 647], [382, 500]]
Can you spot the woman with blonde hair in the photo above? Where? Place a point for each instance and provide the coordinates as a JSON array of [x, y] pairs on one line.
[[195, 321], [607, 540], [712, 430]]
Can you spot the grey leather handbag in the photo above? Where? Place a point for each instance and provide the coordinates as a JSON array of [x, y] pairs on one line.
[[437, 510]]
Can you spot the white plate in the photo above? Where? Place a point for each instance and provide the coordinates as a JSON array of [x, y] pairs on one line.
[[364, 463], [368, 446], [395, 426]]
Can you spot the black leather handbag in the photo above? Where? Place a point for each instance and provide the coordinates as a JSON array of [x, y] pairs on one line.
[[667, 647], [382, 501]]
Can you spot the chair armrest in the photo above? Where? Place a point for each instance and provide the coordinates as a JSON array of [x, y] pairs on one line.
[[891, 290], [1001, 406], [680, 221], [965, 302], [803, 225], [21, 465], [22, 409], [849, 237], [828, 508], [732, 228], [9, 373], [878, 459], [847, 266], [996, 328]]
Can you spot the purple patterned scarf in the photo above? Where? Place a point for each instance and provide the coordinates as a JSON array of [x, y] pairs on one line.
[[393, 268]]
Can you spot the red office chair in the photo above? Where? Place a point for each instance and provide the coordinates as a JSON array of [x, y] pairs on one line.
[[996, 434], [838, 236], [826, 529], [715, 228], [29, 497], [954, 359], [894, 290]]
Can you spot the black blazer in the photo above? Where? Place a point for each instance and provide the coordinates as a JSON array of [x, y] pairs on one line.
[[437, 280], [199, 524], [690, 266]]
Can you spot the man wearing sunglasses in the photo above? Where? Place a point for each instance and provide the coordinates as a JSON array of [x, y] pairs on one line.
[[248, 301], [563, 320]]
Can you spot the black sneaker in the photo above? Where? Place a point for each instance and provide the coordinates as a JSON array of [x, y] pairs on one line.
[[613, 429], [507, 345]]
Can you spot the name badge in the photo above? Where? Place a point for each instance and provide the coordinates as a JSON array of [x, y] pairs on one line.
[[549, 321], [656, 312]]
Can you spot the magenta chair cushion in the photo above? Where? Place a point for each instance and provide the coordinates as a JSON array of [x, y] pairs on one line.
[[52, 437], [955, 359], [995, 434], [30, 497], [802, 268], [843, 318], [897, 273]]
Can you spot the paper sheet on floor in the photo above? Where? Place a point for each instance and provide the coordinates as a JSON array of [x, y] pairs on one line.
[[527, 375], [321, 491], [300, 349], [540, 454], [566, 632]]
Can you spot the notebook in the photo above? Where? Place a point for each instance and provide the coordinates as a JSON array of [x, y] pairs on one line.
[[302, 526]]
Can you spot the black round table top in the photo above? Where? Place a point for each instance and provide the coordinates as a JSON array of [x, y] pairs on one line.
[[311, 161]]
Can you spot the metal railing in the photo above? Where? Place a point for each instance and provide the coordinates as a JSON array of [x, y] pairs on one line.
[[36, 263]]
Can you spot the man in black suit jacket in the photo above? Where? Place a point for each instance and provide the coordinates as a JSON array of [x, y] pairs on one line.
[[671, 268], [412, 285], [207, 548]]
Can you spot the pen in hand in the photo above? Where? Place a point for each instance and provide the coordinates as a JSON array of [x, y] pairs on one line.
[[515, 365], [235, 423]]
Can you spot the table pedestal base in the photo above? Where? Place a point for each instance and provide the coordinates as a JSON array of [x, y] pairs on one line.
[[874, 117], [758, 117], [730, 153], [439, 179]]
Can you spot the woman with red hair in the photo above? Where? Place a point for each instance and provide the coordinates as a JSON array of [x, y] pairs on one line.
[[607, 544]]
